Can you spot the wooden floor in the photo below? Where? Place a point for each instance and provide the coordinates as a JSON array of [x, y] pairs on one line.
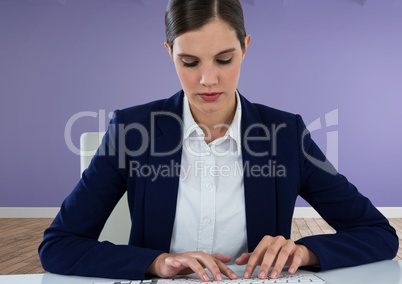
[[19, 240]]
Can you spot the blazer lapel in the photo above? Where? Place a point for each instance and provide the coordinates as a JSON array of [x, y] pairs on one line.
[[162, 187], [259, 177]]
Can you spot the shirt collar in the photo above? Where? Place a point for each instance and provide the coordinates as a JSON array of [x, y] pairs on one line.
[[191, 128]]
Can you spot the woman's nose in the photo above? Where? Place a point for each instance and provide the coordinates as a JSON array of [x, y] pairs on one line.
[[209, 76]]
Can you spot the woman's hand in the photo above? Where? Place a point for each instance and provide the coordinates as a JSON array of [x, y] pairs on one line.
[[168, 265], [276, 252]]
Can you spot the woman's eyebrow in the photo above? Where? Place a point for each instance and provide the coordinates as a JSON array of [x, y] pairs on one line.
[[226, 51], [220, 53], [186, 55]]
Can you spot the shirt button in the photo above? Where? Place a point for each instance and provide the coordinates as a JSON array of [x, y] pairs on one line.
[[207, 220], [208, 185]]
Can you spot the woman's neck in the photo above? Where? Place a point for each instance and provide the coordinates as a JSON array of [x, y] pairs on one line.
[[215, 125]]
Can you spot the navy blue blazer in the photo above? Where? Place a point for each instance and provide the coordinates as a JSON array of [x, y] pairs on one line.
[[141, 133]]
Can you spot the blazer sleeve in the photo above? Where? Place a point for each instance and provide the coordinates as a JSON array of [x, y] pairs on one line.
[[70, 245], [363, 234]]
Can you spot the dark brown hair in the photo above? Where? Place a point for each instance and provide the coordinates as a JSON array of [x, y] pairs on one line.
[[187, 15]]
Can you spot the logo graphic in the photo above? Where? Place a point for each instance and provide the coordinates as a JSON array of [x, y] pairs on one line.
[[330, 165]]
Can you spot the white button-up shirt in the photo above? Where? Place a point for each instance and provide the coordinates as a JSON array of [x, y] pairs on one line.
[[210, 213]]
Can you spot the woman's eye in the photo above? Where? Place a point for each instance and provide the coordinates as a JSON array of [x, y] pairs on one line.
[[224, 62], [190, 64]]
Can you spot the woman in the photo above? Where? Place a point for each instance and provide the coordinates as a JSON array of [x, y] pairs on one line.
[[222, 205]]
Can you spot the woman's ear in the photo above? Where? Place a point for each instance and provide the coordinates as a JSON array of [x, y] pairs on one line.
[[169, 50], [247, 41]]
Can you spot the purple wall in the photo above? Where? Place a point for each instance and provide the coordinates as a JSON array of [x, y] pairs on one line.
[[61, 57]]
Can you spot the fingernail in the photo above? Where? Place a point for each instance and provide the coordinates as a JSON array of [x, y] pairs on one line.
[[218, 277], [292, 270], [274, 274], [261, 275], [233, 276], [246, 274], [205, 278]]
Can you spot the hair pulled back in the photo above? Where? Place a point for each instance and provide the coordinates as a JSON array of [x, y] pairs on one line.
[[187, 15]]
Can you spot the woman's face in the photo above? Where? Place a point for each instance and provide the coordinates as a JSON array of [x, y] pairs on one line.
[[208, 63]]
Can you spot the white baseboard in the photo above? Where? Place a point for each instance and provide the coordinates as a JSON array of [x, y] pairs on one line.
[[391, 212], [28, 212], [309, 212], [51, 212], [305, 212]]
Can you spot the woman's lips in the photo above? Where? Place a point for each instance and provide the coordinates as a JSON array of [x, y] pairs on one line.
[[210, 97]]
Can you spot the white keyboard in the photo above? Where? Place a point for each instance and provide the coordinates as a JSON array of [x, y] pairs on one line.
[[283, 278]]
